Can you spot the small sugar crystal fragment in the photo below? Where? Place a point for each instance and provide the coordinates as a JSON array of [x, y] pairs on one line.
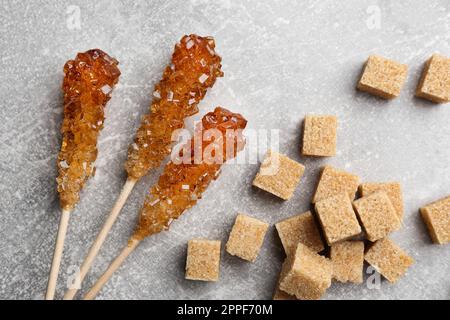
[[106, 89], [383, 77], [211, 51], [203, 260], [170, 96], [189, 44], [203, 78], [347, 258], [299, 229], [393, 191], [308, 274], [377, 215], [279, 175], [388, 259], [63, 164], [334, 181], [437, 218], [319, 136], [246, 237], [435, 82], [337, 218]]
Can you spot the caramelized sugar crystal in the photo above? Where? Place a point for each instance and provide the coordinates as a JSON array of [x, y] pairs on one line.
[[87, 86], [182, 184], [195, 67]]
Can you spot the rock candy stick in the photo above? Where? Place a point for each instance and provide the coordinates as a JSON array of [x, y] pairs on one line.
[[88, 83], [181, 185], [195, 67]]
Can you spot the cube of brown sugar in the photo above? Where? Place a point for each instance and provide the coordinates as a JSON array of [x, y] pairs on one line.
[[203, 259], [434, 84], [377, 215], [246, 237], [334, 181], [308, 276], [383, 77], [393, 191], [337, 218], [348, 259], [280, 294], [279, 175], [437, 218], [299, 229], [388, 259], [319, 136]]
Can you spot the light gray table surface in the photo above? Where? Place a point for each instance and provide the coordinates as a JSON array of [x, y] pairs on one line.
[[282, 60]]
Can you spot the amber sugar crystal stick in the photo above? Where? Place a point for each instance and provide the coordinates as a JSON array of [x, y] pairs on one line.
[[195, 67], [183, 182], [87, 86]]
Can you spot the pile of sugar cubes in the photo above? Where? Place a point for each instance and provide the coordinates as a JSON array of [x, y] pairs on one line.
[[349, 230]]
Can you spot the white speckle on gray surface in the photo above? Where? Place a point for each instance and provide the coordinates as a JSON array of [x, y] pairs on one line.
[[282, 60]]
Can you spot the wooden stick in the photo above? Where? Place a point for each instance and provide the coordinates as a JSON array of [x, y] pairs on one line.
[[111, 269], [54, 270], [96, 246]]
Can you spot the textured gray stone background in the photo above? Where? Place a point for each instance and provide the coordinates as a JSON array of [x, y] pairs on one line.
[[282, 60]]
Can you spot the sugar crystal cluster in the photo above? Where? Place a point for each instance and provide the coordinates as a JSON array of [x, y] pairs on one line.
[[195, 67], [88, 83], [182, 184]]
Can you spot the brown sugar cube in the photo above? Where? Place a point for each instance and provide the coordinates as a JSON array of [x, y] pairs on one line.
[[279, 175], [434, 84], [246, 237], [308, 276], [319, 136], [280, 294], [437, 218], [377, 215], [203, 259], [388, 259], [299, 229], [348, 259], [393, 191], [337, 218], [383, 77], [334, 181]]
